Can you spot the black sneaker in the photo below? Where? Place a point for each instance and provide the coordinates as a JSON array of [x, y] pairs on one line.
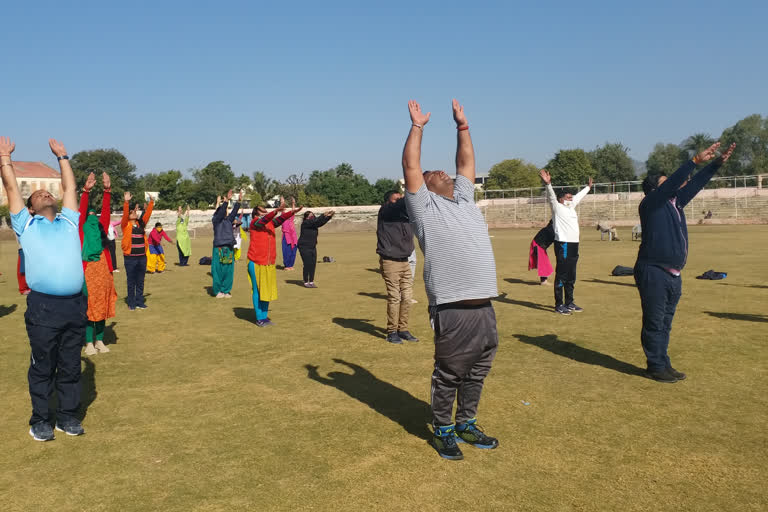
[[141, 306], [71, 427], [407, 336], [661, 376], [563, 310], [444, 441], [470, 433], [41, 431], [574, 308], [676, 374], [394, 338]]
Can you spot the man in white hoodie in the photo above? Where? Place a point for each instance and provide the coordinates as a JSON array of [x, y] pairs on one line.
[[566, 223]]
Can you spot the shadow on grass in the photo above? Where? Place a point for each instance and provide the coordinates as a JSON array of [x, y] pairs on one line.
[[506, 300], [603, 281], [760, 286], [550, 343], [145, 296], [746, 317], [88, 392], [358, 324], [374, 270], [297, 282], [110, 337], [396, 404], [514, 280], [373, 295], [247, 314], [7, 310], [209, 290]]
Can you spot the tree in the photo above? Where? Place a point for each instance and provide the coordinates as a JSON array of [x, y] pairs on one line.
[[665, 159], [514, 173], [264, 186], [384, 185], [122, 172], [213, 180], [341, 185], [570, 167], [611, 163], [751, 153], [242, 182], [167, 184], [697, 143]]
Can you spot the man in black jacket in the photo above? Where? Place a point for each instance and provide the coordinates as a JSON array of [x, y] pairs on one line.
[[223, 258], [394, 244], [663, 254]]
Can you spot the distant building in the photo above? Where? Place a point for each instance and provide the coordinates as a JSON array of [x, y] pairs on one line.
[[31, 176]]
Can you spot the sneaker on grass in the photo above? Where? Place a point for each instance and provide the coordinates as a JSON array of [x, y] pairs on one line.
[[470, 433], [89, 350], [392, 337], [562, 309], [71, 427], [407, 336], [573, 308], [100, 346], [444, 441], [41, 431]]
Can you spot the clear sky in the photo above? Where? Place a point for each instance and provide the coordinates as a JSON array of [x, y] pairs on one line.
[[289, 87]]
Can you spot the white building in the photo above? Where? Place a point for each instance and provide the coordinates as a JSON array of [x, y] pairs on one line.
[[32, 176]]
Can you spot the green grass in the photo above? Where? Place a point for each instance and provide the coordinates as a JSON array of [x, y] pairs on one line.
[[195, 408]]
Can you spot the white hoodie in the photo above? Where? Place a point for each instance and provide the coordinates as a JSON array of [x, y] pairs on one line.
[[564, 218]]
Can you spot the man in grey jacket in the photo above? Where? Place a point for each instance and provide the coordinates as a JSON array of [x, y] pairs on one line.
[[223, 258]]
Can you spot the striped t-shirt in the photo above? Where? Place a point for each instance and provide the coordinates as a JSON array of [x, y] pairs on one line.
[[453, 235]]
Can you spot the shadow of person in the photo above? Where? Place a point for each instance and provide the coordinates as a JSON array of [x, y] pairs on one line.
[[396, 404], [110, 337], [739, 316], [550, 343], [297, 282], [247, 314], [373, 295], [88, 390], [7, 310], [358, 324], [503, 298], [603, 281], [209, 290], [374, 270], [514, 280]]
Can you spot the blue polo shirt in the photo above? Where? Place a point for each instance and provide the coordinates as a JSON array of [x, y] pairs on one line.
[[52, 253]]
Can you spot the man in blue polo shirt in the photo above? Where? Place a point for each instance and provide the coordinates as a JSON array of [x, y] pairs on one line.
[[56, 308]]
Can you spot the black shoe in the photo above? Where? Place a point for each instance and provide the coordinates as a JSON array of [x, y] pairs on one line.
[[661, 376], [470, 433], [394, 338], [676, 374], [141, 306], [41, 431], [574, 308], [407, 336], [563, 310], [444, 441], [71, 427]]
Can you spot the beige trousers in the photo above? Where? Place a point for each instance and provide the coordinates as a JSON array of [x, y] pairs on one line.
[[399, 280]]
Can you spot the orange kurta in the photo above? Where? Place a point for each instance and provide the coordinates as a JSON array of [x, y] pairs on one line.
[[101, 290]]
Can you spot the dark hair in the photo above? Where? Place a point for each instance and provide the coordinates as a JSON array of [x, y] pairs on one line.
[[389, 195], [651, 182], [158, 225], [29, 201], [561, 192], [307, 214]]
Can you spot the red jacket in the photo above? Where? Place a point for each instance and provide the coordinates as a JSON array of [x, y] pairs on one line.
[[262, 249], [104, 220]]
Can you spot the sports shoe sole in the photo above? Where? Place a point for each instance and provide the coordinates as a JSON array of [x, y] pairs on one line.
[[649, 376], [40, 439], [448, 457], [69, 434], [477, 445]]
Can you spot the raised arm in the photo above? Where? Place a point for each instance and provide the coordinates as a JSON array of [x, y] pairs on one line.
[[412, 149], [551, 197], [582, 194], [106, 201], [15, 201], [701, 178], [672, 184], [148, 211], [465, 153], [236, 207], [126, 210], [68, 184]]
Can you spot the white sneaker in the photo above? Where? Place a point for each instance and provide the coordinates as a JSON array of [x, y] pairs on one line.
[[116, 270], [100, 346], [227, 295], [219, 295], [414, 301], [89, 350]]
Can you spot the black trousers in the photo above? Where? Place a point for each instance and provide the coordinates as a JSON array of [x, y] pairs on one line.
[[183, 260], [660, 292], [56, 329], [567, 254], [465, 346], [112, 246], [135, 271], [309, 260]]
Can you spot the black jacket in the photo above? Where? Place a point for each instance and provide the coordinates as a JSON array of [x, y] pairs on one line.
[[309, 227], [394, 237], [665, 233], [546, 236], [222, 226]]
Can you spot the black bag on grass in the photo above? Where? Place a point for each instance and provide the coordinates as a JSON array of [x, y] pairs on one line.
[[622, 271], [205, 260]]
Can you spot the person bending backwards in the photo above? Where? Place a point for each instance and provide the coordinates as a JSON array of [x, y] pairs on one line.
[[307, 244], [566, 223], [134, 245], [56, 307], [460, 280], [223, 257], [663, 253]]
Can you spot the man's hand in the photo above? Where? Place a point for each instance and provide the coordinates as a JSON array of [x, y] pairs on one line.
[[178, 211], [127, 197], [240, 197], [6, 146], [330, 213], [545, 177], [105, 181], [90, 181], [707, 154], [458, 115], [57, 148], [417, 116], [282, 204], [725, 156], [589, 183], [230, 194]]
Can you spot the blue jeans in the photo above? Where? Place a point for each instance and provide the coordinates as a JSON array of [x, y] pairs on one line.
[[135, 269], [660, 292]]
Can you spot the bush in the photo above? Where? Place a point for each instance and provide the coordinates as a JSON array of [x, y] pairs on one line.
[[5, 214]]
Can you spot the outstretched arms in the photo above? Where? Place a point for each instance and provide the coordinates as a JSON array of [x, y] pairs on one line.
[[582, 193], [15, 201], [412, 149], [551, 197], [68, 184], [465, 153], [701, 178]]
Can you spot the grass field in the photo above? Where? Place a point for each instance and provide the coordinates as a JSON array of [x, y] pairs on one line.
[[196, 408]]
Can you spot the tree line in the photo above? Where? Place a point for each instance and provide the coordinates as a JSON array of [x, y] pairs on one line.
[[611, 162]]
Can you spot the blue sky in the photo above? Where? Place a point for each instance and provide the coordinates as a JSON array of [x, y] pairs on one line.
[[299, 86]]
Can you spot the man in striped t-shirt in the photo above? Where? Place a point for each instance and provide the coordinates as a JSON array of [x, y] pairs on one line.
[[460, 280]]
